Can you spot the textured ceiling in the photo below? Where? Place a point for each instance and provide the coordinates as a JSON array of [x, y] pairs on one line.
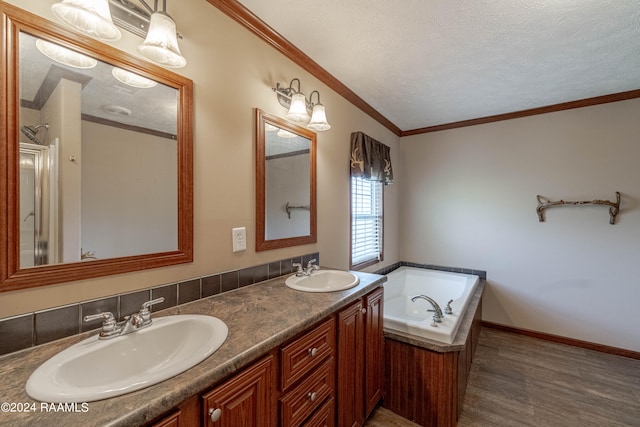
[[422, 63], [103, 96]]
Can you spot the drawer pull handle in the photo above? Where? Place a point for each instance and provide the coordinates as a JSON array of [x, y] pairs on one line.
[[363, 311], [215, 414], [313, 351], [312, 396]]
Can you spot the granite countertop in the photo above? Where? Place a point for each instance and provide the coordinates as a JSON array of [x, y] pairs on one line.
[[260, 317]]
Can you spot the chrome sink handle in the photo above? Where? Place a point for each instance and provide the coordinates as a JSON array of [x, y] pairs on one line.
[[145, 312], [299, 270], [311, 267], [109, 323]]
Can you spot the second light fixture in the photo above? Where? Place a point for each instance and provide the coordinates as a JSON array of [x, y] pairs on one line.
[[302, 110]]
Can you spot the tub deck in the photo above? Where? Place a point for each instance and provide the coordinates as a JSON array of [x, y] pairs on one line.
[[410, 321]]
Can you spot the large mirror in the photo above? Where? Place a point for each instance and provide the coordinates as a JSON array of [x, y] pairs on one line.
[[96, 159], [285, 183]]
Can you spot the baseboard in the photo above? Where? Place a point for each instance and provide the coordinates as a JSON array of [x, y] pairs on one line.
[[564, 340]]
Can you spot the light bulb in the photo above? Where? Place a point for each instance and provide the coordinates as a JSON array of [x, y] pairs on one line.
[[298, 110], [161, 44], [91, 17], [319, 119]]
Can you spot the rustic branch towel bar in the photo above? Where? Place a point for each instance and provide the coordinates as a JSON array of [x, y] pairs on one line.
[[289, 208], [614, 207]]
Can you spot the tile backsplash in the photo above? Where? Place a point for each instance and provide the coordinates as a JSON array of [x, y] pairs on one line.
[[482, 274], [28, 330]]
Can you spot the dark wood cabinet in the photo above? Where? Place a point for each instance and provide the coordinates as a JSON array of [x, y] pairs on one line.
[[374, 350], [243, 401], [185, 415], [330, 375], [428, 387], [360, 359], [307, 372], [172, 420]]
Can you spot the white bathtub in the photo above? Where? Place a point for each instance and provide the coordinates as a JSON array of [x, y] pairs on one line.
[[402, 315]]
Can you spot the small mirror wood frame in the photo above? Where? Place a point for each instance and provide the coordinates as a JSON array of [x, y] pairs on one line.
[[262, 243]]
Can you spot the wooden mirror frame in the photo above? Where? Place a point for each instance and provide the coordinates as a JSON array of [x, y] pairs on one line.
[[12, 277], [262, 244]]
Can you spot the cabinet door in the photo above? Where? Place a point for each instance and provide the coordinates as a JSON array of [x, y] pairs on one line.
[[374, 350], [243, 401], [172, 420], [350, 393]]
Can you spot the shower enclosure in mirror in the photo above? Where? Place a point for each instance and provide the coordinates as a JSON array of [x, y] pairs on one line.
[[285, 183], [97, 165]]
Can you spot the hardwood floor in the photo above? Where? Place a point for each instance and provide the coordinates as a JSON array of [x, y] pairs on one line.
[[522, 381]]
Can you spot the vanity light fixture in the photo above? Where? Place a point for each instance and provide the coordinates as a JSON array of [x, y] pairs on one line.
[[96, 19], [301, 109], [161, 43], [90, 17]]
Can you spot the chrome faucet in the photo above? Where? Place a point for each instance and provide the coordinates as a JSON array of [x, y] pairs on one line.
[[437, 311], [111, 328], [448, 309], [310, 268]]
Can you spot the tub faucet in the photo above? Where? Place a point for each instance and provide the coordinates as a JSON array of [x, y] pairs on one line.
[[437, 311]]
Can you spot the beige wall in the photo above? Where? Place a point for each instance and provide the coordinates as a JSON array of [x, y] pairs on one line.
[[233, 73], [143, 194], [465, 197], [470, 201]]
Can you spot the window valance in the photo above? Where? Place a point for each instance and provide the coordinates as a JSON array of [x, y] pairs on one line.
[[370, 159]]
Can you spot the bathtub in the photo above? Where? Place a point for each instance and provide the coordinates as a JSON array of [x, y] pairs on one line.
[[400, 314]]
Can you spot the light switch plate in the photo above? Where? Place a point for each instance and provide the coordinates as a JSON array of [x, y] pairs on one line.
[[239, 236]]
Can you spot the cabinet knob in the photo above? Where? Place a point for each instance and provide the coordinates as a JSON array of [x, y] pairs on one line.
[[215, 414], [312, 396], [313, 351], [364, 310]]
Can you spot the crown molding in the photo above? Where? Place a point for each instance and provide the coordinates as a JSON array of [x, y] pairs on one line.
[[250, 21], [247, 19]]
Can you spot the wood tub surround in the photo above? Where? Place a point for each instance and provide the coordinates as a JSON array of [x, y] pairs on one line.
[[425, 381], [264, 374]]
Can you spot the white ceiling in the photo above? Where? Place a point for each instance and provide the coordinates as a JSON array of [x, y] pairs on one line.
[[423, 63]]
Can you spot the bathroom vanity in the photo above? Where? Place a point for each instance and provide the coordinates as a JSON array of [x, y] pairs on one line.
[[335, 367], [291, 358]]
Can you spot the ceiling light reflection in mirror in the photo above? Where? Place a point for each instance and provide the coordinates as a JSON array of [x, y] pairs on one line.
[[154, 106], [132, 79], [65, 56]]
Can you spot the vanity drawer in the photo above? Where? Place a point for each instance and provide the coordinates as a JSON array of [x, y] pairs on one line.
[[297, 405], [307, 352], [324, 417]]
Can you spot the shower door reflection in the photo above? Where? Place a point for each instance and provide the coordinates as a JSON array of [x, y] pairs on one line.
[[36, 186]]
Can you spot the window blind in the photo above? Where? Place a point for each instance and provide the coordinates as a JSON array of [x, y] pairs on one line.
[[366, 220]]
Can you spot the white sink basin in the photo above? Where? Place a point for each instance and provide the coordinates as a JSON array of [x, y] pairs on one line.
[[96, 369], [323, 281]]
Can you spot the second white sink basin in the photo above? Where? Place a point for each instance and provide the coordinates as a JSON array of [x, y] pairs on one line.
[[96, 369], [323, 281]]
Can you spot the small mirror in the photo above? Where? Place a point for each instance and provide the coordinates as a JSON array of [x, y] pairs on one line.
[[285, 183], [96, 169]]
